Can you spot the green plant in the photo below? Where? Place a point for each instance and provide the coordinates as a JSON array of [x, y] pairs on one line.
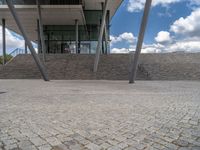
[[8, 58]]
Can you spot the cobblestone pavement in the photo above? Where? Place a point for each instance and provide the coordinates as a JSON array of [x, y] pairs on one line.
[[95, 115]]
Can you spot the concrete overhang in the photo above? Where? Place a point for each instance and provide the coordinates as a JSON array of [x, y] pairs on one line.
[[113, 5], [51, 15]]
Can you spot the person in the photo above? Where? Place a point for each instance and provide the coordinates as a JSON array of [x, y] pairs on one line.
[[67, 48]]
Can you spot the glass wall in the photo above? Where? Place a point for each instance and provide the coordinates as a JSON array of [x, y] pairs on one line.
[[61, 39]]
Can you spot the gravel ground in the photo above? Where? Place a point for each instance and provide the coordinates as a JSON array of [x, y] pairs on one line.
[[95, 115]]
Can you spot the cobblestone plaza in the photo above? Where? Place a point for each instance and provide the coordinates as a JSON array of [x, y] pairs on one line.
[[95, 115]]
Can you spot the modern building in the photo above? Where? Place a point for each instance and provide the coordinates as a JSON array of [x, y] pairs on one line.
[[66, 26], [69, 26]]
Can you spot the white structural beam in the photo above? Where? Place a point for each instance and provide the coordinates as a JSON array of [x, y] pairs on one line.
[[134, 62], [98, 49], [41, 31], [105, 31], [106, 38], [4, 40], [30, 46], [76, 24], [25, 47]]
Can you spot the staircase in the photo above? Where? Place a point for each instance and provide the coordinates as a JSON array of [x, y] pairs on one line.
[[71, 67], [172, 66]]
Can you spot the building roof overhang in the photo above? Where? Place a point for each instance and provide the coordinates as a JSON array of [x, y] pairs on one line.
[[52, 15], [113, 5]]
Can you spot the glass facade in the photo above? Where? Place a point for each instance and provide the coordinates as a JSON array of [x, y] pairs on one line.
[[61, 38]]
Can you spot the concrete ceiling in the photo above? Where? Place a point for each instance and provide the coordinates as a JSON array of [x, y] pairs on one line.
[[96, 5], [52, 15]]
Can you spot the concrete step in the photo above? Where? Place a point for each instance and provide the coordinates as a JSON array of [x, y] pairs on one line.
[[171, 66], [71, 67]]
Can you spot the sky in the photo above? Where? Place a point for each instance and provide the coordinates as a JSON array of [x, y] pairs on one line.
[[173, 25]]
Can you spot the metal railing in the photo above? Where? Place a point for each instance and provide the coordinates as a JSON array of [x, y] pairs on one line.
[[43, 2], [16, 52]]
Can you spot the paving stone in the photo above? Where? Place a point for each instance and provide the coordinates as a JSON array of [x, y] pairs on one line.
[[9, 141], [70, 143], [195, 148], [122, 145], [11, 146], [130, 148], [45, 147], [37, 141], [31, 147], [25, 143], [60, 147], [114, 148], [53, 141], [181, 143], [92, 146], [76, 147], [105, 145]]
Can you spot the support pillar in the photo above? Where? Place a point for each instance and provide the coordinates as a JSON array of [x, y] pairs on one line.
[[41, 31], [38, 38], [100, 37], [4, 40], [30, 46], [106, 39], [134, 62], [77, 30], [26, 49], [105, 31]]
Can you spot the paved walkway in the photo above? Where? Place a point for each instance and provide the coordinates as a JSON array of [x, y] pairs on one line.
[[95, 115]]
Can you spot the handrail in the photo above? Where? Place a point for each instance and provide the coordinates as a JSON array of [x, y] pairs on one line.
[[16, 52]]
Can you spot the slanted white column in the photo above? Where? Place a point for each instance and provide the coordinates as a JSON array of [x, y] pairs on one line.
[[134, 63], [106, 38], [40, 66], [105, 31], [25, 47], [41, 31], [98, 50], [77, 30], [4, 40]]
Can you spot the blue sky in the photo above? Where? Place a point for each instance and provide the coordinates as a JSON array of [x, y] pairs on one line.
[[162, 17], [174, 25]]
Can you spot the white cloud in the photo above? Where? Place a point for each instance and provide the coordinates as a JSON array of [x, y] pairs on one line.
[[152, 48], [128, 37], [120, 50], [138, 5], [163, 37], [189, 26], [11, 41], [194, 3], [186, 46], [179, 46]]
